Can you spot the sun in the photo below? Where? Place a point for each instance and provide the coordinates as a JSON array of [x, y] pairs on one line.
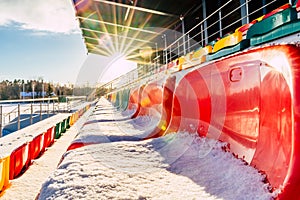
[[117, 67]]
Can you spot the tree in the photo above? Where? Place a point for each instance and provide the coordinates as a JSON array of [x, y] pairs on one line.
[[49, 91], [101, 91]]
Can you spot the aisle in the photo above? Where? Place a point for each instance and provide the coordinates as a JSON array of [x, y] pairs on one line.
[[176, 166]]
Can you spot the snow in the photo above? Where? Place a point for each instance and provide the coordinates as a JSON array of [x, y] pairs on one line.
[[175, 166], [98, 130], [28, 185], [132, 130], [17, 138], [122, 166], [164, 168]]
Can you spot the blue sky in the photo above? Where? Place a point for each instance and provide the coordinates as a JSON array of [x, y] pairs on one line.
[[41, 38]]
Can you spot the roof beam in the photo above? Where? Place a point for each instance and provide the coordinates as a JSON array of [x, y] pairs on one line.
[[135, 47], [116, 35], [90, 47], [136, 8], [118, 25]]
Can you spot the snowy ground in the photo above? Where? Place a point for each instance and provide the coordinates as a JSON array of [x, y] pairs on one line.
[[176, 166], [27, 186], [170, 167]]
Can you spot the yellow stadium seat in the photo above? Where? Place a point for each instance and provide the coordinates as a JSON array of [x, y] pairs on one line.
[[229, 40], [4, 172]]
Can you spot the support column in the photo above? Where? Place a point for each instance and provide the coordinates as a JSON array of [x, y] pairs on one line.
[[183, 34], [220, 24], [205, 22], [244, 11], [264, 8], [202, 36]]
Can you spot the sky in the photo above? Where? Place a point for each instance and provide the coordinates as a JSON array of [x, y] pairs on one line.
[[42, 39]]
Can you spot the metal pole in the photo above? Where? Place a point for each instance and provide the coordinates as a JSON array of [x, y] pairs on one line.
[[244, 11], [23, 91], [156, 55], [48, 109], [183, 34], [53, 107], [170, 51], [43, 89], [41, 117], [31, 113], [220, 23], [202, 36], [166, 52], [33, 92], [189, 44], [205, 22], [19, 117], [0, 121], [247, 11]]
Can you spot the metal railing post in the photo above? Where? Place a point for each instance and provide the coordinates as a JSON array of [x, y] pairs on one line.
[[247, 11], [166, 52], [183, 34], [220, 23], [0, 121], [31, 113], [202, 36], [41, 117], [48, 109], [188, 43], [19, 117]]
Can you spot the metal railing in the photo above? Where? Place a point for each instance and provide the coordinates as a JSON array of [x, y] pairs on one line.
[[189, 41], [29, 111], [186, 42]]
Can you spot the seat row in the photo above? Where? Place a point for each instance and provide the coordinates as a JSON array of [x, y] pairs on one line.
[[19, 148], [249, 100], [279, 23]]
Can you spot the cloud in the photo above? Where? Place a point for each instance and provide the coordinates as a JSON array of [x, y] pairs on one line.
[[55, 16]]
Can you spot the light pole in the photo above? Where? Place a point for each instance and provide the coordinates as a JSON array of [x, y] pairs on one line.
[[183, 34]]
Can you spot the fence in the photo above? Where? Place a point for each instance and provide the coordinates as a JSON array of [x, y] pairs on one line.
[[18, 113]]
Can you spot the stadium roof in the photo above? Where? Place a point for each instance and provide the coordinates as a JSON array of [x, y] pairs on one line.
[[128, 26]]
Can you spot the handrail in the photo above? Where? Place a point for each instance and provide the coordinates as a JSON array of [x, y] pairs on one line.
[[28, 100], [75, 97], [35, 110], [178, 39]]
